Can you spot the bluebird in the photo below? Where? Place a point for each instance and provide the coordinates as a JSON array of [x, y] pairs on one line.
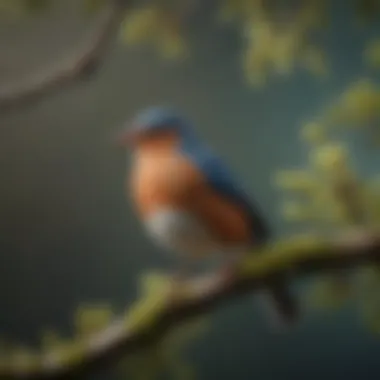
[[189, 201]]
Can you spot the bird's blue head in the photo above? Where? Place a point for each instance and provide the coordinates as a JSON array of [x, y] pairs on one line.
[[155, 122]]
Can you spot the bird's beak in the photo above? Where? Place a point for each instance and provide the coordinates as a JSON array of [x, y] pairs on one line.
[[126, 138]]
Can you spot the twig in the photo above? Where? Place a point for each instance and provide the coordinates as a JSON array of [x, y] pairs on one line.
[[82, 64], [295, 257]]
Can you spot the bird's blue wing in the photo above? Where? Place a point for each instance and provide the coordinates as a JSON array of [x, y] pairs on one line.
[[222, 181]]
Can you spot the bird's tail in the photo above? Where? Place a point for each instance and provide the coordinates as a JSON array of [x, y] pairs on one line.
[[283, 305]]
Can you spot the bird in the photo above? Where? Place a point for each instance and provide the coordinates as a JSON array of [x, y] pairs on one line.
[[189, 201]]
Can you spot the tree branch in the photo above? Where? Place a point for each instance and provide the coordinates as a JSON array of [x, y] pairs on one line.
[[82, 64], [293, 257]]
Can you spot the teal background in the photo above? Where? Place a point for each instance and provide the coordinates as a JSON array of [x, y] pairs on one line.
[[67, 233]]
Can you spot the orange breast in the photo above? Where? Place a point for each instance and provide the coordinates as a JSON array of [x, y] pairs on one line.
[[171, 181], [162, 180]]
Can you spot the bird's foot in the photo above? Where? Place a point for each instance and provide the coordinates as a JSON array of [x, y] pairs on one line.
[[231, 268], [178, 288], [228, 274]]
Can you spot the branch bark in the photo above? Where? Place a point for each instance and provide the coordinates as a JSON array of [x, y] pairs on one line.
[[293, 257], [81, 65]]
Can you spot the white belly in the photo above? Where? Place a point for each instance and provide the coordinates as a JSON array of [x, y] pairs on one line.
[[180, 232]]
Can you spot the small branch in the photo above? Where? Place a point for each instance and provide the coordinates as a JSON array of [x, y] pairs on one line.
[[293, 257], [82, 64]]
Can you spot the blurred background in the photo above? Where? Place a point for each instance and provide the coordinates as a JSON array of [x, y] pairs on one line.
[[67, 231]]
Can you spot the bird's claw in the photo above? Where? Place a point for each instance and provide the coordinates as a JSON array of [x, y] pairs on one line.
[[177, 288], [228, 275]]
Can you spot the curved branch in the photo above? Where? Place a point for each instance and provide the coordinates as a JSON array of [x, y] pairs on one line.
[[82, 64], [124, 336]]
